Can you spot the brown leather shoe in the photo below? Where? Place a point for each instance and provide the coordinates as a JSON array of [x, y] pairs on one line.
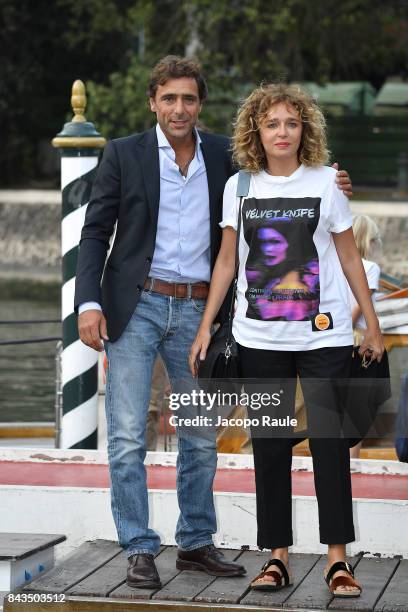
[[142, 572], [210, 560]]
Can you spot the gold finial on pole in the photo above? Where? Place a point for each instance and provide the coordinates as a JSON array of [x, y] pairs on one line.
[[78, 101], [78, 133]]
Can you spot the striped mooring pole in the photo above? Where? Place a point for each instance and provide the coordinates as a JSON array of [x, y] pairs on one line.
[[80, 145]]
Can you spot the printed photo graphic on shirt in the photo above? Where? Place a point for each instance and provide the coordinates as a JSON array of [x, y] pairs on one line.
[[282, 268]]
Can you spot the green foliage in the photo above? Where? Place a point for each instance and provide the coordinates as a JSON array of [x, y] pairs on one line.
[[112, 45], [300, 40], [243, 42], [45, 46], [120, 107]]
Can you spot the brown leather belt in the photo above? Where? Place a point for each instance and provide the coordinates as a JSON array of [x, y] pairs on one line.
[[197, 291]]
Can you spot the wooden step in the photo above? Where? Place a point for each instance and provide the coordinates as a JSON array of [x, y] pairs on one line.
[[93, 579]]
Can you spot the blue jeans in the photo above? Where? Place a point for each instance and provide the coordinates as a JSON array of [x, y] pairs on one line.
[[168, 326]]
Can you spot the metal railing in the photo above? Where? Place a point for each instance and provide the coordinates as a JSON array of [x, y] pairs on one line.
[[58, 393], [168, 440], [58, 354]]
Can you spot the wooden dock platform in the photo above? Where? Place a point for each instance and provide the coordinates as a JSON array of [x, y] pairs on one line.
[[92, 579]]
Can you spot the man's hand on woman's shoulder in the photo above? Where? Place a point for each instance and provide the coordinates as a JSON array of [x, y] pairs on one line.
[[343, 181]]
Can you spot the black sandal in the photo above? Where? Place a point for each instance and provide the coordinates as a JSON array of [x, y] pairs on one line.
[[341, 581], [281, 580]]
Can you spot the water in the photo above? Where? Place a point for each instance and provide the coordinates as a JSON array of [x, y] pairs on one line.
[[27, 372]]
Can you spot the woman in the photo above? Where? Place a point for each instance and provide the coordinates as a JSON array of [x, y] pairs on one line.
[[280, 139], [368, 241]]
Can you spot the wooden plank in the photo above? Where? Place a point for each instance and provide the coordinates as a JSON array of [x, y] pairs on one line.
[[395, 596], [98, 604], [104, 580], [388, 453], [312, 592], [373, 575], [300, 564], [188, 584], [231, 590], [15, 546], [166, 566], [2, 596], [18, 431], [89, 557]]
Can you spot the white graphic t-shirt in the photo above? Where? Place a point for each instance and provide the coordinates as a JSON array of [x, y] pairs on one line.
[[292, 294], [373, 272]]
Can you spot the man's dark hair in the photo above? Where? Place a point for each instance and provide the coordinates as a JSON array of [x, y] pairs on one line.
[[175, 67]]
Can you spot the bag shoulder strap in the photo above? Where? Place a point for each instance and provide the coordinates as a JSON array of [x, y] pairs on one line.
[[244, 179]]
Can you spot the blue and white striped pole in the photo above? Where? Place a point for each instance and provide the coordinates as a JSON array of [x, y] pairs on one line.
[[80, 145]]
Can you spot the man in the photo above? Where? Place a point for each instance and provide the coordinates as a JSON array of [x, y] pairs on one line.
[[164, 190]]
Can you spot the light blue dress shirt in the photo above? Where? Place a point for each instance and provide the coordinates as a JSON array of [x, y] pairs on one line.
[[182, 250]]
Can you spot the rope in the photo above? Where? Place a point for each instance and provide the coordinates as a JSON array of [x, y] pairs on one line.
[[30, 321], [30, 341]]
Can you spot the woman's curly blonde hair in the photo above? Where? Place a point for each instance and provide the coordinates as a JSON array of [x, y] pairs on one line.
[[247, 148]]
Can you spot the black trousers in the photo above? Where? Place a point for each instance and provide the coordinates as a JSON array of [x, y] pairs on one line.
[[319, 371]]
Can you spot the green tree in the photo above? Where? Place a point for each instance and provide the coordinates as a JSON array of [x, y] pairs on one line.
[[300, 40], [112, 45], [43, 50], [243, 42], [120, 107]]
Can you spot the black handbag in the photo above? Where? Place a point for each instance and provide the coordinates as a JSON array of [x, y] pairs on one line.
[[401, 428], [220, 368], [368, 388]]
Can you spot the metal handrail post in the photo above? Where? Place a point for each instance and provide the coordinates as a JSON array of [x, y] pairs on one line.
[[58, 393]]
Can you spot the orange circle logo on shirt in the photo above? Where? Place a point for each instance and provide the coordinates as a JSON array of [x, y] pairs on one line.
[[322, 321]]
